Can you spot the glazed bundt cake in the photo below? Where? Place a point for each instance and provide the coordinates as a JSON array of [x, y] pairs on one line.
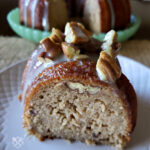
[[97, 15], [71, 92]]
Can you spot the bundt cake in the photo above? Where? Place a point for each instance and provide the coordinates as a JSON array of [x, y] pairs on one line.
[[97, 15], [71, 91]]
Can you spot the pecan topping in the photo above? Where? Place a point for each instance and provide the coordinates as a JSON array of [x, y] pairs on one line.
[[81, 56], [76, 33], [69, 50], [72, 52], [56, 36], [110, 44], [52, 48], [107, 67], [44, 57]]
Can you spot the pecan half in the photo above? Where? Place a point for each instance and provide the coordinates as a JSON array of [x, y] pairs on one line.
[[81, 56], [72, 52], [110, 44], [76, 33], [107, 67], [44, 57], [52, 48], [57, 36], [69, 50]]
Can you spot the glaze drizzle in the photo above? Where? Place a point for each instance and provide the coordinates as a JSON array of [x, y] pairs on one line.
[[33, 9], [45, 22], [25, 11]]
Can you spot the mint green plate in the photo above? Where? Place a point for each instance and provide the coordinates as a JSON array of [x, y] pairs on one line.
[[36, 36]]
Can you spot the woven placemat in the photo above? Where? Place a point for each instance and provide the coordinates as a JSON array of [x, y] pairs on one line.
[[138, 50], [13, 49]]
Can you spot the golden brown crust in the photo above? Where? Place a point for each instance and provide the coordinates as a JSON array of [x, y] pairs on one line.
[[131, 100]]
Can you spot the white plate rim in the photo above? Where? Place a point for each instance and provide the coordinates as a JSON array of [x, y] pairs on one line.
[[24, 60]]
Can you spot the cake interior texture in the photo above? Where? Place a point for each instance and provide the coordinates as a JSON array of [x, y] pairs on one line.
[[76, 111]]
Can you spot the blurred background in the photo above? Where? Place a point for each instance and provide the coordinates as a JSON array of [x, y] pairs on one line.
[[139, 7]]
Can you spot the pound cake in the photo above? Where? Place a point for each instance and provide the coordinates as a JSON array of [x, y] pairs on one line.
[[73, 88], [97, 15]]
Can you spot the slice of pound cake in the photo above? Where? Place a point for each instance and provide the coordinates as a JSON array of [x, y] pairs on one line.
[[73, 88]]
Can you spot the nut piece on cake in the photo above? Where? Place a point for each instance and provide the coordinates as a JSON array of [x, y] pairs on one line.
[[110, 44], [57, 36], [72, 52], [52, 44], [76, 33], [44, 57], [52, 48], [81, 56], [107, 67], [81, 88]]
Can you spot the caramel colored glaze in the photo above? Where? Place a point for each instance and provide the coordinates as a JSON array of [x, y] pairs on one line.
[[105, 21], [93, 46], [122, 13], [83, 71], [30, 65]]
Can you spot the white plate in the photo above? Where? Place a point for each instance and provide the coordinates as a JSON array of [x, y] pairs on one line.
[[13, 136]]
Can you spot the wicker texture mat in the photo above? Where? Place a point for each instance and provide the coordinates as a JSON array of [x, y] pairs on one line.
[[13, 49], [138, 50]]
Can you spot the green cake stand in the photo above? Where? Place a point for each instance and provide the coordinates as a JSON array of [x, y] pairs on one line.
[[36, 35]]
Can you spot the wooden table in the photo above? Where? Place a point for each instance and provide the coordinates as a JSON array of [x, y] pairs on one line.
[[13, 49]]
